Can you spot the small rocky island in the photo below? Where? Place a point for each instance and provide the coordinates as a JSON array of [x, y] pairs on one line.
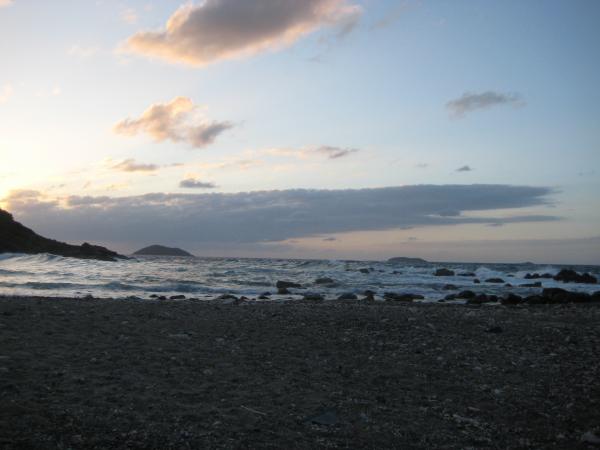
[[161, 250], [16, 238], [406, 260]]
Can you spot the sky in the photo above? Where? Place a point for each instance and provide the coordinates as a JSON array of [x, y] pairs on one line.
[[365, 129]]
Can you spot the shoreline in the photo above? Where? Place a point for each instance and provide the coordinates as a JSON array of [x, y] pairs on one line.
[[191, 374]]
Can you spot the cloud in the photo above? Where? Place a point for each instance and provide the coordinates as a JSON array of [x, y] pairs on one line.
[[129, 165], [422, 165], [5, 3], [6, 92], [176, 121], [470, 102], [329, 239], [464, 169], [223, 29], [325, 150], [192, 183], [270, 216], [392, 16]]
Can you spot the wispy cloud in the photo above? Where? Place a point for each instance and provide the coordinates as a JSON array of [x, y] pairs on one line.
[[129, 15], [200, 34], [130, 165], [177, 121], [192, 183], [470, 102], [327, 151], [5, 3], [464, 169], [393, 14], [271, 215]]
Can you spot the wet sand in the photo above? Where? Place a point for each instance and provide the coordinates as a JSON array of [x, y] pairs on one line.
[[89, 373]]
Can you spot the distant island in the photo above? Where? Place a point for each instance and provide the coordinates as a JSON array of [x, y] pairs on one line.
[[161, 250], [405, 260], [16, 238]]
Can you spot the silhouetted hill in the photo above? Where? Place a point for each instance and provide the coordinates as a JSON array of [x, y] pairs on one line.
[[161, 250], [16, 238]]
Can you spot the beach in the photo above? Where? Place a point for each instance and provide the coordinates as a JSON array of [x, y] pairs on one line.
[[150, 374]]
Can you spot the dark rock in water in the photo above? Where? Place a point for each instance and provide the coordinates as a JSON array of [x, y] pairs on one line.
[[369, 270], [154, 296], [450, 287], [536, 284], [557, 295], [265, 294], [287, 285], [264, 297], [16, 238], [511, 299], [494, 280], [570, 276], [444, 273], [324, 280], [450, 297], [476, 281], [405, 260], [482, 298], [466, 274], [369, 293], [313, 297], [466, 294], [535, 276], [161, 250], [369, 296], [394, 297], [177, 297], [508, 285], [348, 296], [283, 291], [227, 297], [595, 297]]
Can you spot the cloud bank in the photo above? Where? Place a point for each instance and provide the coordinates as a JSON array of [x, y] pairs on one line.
[[268, 216], [328, 151], [176, 121], [130, 165], [192, 183], [213, 30], [470, 102]]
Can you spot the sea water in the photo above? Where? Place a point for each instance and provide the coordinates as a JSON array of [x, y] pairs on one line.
[[207, 278]]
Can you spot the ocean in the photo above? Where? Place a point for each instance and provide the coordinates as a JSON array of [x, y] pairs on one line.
[[207, 278]]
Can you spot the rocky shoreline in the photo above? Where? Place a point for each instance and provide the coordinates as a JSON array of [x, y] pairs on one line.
[[88, 373]]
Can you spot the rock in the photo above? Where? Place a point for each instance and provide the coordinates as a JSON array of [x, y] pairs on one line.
[[313, 297], [161, 250], [482, 298], [476, 281], [570, 276], [365, 270], [535, 276], [466, 274], [508, 285], [226, 297], [287, 285], [266, 294], [283, 291], [264, 297], [348, 296], [444, 273], [536, 284], [512, 299], [558, 295], [450, 287], [369, 296], [16, 238], [494, 280], [324, 280], [394, 297], [154, 296], [466, 294], [177, 297], [595, 297]]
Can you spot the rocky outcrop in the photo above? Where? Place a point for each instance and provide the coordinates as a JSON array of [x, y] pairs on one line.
[[444, 273], [16, 238], [161, 250], [405, 260], [570, 276]]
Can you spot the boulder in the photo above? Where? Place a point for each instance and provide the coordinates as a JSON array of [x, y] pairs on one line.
[[324, 280], [348, 296], [287, 285], [444, 273], [536, 284], [450, 287], [511, 299], [394, 297], [313, 297], [466, 294], [494, 280], [177, 297], [467, 274], [476, 281], [570, 276], [535, 276]]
